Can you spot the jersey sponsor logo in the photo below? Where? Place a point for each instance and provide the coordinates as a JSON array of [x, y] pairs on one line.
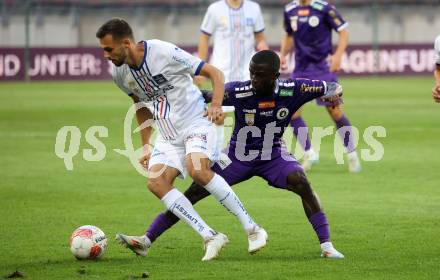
[[244, 94], [310, 89], [250, 111], [266, 113], [294, 23], [266, 104], [313, 21], [286, 92], [160, 79], [304, 12], [186, 63], [249, 119], [282, 113], [303, 19]]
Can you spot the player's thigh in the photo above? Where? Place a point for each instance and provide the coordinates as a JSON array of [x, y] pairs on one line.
[[277, 170], [232, 170], [167, 154]]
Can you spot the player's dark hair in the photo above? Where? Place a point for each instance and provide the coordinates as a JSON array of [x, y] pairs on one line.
[[267, 57], [116, 27]]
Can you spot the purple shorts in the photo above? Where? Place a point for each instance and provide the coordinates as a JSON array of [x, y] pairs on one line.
[[319, 75], [274, 170]]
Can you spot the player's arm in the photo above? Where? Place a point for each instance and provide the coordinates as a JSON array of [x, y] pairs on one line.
[[340, 49], [306, 90], [217, 78], [436, 89], [286, 46], [260, 41], [202, 50], [145, 120]]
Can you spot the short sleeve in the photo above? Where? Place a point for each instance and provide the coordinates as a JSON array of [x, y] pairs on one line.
[[334, 18], [437, 50], [259, 21], [208, 23], [181, 61]]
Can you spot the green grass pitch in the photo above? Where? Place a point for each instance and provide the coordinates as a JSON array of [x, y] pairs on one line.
[[385, 219]]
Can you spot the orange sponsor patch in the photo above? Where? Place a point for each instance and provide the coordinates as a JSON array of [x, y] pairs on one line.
[[303, 12], [266, 104]]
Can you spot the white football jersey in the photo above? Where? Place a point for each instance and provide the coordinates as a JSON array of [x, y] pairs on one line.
[[164, 82], [437, 50], [233, 31]]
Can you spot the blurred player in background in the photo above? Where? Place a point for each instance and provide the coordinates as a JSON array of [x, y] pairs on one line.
[[158, 75], [237, 28], [309, 24], [436, 89], [265, 105]]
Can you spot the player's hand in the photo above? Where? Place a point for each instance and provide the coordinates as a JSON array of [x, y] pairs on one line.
[[436, 93], [333, 92], [335, 63], [283, 61], [145, 158], [199, 80], [215, 114]]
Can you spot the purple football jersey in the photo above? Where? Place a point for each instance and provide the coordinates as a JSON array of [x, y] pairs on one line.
[[311, 27], [260, 121]]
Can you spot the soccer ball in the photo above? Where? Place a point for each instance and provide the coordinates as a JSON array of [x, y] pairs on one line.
[[88, 242]]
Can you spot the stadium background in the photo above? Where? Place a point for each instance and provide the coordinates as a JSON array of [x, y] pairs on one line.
[[385, 219]]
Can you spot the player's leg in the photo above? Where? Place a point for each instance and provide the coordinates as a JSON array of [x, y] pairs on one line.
[[344, 128], [164, 167], [283, 171], [226, 168], [199, 169], [301, 132]]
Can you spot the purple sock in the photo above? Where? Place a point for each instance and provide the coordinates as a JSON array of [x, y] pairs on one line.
[[162, 222], [346, 133], [303, 139], [320, 225]]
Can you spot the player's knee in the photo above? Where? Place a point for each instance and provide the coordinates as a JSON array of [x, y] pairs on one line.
[[155, 185], [298, 183], [335, 112], [200, 175]]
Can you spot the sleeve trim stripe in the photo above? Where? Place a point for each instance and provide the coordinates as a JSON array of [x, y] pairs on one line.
[[199, 68], [342, 27], [259, 31], [205, 32]]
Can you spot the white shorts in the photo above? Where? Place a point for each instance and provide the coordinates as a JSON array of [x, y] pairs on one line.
[[201, 137]]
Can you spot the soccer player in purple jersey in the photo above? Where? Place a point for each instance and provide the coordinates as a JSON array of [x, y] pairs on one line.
[[309, 24], [264, 106]]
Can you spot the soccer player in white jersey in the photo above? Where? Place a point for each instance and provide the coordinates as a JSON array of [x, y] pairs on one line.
[[158, 75], [436, 89], [237, 28]]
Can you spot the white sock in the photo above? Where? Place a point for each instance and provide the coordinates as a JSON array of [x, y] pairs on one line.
[[226, 196], [177, 203], [352, 155]]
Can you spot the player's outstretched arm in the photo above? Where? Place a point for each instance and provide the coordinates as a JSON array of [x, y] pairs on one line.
[[307, 90], [145, 120]]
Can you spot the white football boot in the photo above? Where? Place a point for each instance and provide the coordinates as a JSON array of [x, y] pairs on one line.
[[213, 246], [328, 251], [138, 244], [310, 158], [354, 164], [257, 238]]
